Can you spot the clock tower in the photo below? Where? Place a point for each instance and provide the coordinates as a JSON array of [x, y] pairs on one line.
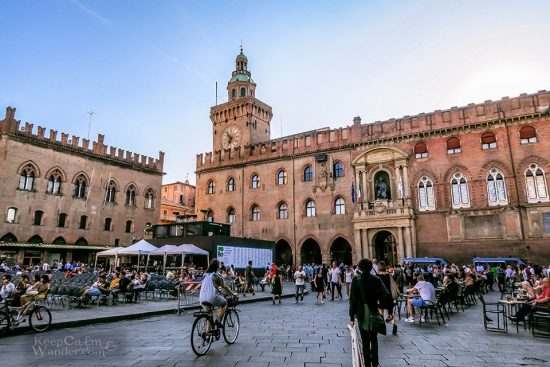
[[243, 120]]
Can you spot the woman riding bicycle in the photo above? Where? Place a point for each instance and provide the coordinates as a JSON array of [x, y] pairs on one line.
[[210, 295]]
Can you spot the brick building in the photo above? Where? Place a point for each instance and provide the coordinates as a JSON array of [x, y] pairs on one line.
[[178, 198], [451, 183], [63, 200]]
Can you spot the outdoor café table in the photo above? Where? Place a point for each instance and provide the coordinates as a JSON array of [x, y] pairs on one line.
[[512, 305]]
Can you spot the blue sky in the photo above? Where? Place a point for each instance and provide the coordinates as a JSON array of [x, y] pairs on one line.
[[148, 68]]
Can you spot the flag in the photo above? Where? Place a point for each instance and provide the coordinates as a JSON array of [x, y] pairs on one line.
[[352, 193]]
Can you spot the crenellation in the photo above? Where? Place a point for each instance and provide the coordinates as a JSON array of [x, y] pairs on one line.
[[135, 158], [53, 135], [41, 132], [64, 138], [112, 152], [85, 145], [28, 129], [128, 156], [143, 160], [74, 140]]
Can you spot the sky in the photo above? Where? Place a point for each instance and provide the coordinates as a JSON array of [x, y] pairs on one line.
[[148, 69]]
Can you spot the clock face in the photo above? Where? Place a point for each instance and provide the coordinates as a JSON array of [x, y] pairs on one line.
[[231, 137]]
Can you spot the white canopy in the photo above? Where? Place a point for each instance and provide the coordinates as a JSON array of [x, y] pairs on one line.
[[138, 248], [162, 251], [110, 252], [191, 249]]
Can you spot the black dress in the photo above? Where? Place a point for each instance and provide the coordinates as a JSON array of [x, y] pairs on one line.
[[276, 286], [319, 283]]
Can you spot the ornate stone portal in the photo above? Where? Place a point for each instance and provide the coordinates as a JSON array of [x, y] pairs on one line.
[[384, 222]]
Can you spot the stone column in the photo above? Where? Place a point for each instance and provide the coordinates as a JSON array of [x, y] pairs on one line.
[[406, 184], [357, 249], [413, 237], [400, 244], [365, 244], [395, 196], [408, 242]]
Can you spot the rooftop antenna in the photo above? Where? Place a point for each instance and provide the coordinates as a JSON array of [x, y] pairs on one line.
[[91, 113]]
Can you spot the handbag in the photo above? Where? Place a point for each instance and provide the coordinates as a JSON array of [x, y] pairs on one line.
[[373, 322], [394, 289]]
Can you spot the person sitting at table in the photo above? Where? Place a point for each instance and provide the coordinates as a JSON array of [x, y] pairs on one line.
[[529, 290], [427, 297], [543, 300], [450, 285]]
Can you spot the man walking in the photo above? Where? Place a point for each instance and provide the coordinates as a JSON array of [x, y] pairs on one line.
[[299, 278], [334, 274], [249, 277], [367, 291]]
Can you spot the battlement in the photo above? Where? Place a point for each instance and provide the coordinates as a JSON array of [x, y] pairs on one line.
[[9, 125], [327, 139]]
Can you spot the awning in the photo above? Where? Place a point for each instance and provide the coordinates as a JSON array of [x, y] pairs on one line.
[[52, 246]]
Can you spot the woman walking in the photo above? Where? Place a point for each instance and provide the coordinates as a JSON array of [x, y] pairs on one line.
[[386, 304], [348, 275], [319, 285], [277, 286]]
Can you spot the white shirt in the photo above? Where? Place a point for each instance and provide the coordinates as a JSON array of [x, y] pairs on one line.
[[334, 274], [349, 276], [6, 290], [426, 290], [299, 277]]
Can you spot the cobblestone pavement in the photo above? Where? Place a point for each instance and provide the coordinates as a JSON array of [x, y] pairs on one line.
[[275, 335]]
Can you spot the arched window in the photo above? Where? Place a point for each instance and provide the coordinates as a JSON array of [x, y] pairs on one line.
[[338, 169], [149, 198], [110, 192], [35, 239], [453, 146], [233, 93], [83, 221], [12, 212], [339, 206], [210, 187], [282, 211], [308, 173], [26, 178], [129, 228], [59, 241], [426, 194], [62, 220], [255, 213], [80, 184], [210, 216], [81, 242], [535, 182], [488, 140], [54, 183], [231, 215], [496, 190], [131, 196], [310, 208], [231, 184], [243, 91], [107, 224], [281, 177], [38, 217], [8, 237], [421, 150], [255, 181], [527, 134], [460, 194]]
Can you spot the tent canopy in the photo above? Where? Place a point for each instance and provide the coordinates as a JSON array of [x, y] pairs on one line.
[[190, 249], [166, 249], [140, 247], [111, 252]]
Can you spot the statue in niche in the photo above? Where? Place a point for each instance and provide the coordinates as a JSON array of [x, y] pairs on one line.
[[323, 176], [381, 187]]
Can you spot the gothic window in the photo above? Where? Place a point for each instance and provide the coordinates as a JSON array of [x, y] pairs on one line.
[[527, 134], [453, 146], [255, 213], [80, 184], [83, 221], [38, 217], [210, 216], [54, 183], [210, 187], [62, 220], [231, 215], [231, 184], [12, 212], [339, 206], [281, 177], [308, 173], [310, 208], [421, 150], [110, 192], [338, 169], [459, 189], [131, 196], [426, 194], [535, 182], [26, 178], [255, 181], [149, 198], [283, 211], [129, 227], [243, 91], [107, 224], [488, 140], [233, 93], [496, 189]]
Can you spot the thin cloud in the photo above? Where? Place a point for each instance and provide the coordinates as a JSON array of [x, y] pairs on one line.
[[187, 66], [92, 13]]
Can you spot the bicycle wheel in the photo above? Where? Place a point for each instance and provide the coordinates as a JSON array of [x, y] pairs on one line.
[[40, 318], [231, 326], [201, 339], [4, 322]]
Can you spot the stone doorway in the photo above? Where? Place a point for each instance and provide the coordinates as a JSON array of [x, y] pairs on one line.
[[283, 253], [340, 251], [385, 247], [310, 252]]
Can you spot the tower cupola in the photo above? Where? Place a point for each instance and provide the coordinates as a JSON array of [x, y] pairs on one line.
[[241, 84]]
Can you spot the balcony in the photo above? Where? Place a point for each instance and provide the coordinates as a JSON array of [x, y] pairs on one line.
[[384, 209]]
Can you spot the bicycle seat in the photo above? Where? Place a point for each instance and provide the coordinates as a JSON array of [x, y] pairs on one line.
[[207, 304]]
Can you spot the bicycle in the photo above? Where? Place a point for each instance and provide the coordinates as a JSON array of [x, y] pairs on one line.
[[40, 317], [205, 330]]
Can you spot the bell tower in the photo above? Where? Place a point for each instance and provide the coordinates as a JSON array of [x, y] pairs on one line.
[[242, 120]]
